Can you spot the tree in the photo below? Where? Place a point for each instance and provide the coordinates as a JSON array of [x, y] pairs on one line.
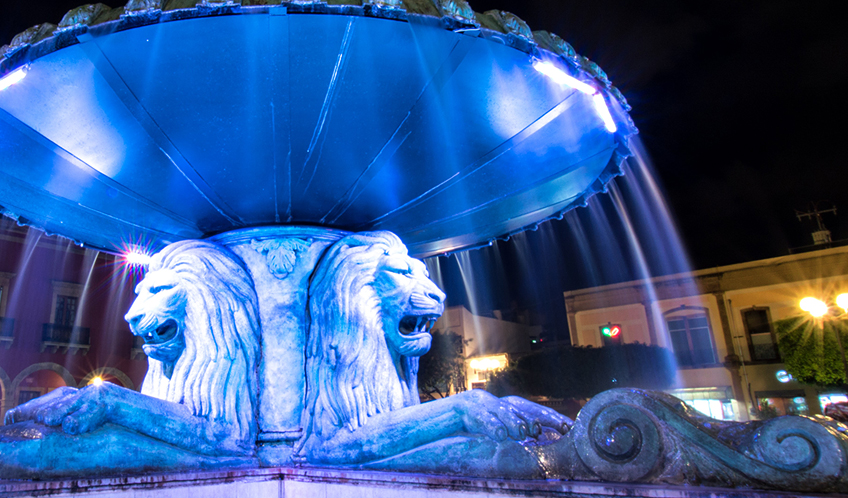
[[810, 352], [442, 370], [582, 372]]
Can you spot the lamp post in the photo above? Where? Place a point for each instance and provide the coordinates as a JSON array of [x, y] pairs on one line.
[[819, 309]]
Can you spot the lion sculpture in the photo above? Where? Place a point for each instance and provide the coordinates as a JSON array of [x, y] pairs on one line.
[[371, 307], [197, 311]]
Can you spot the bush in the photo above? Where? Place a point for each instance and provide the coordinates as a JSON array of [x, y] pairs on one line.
[[810, 351], [582, 372]]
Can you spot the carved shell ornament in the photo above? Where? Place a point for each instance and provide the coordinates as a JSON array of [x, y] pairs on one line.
[[389, 4], [281, 254], [28, 37], [459, 10], [86, 14], [138, 6], [563, 48], [513, 24], [594, 70]]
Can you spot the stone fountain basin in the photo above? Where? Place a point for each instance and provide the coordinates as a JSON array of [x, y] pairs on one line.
[[214, 122]]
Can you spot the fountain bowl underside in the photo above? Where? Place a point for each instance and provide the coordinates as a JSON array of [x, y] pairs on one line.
[[191, 125]]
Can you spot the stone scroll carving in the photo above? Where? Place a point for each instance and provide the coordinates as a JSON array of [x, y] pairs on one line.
[[631, 435], [197, 312]]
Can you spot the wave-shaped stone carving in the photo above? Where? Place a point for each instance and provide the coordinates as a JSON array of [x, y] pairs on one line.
[[630, 435]]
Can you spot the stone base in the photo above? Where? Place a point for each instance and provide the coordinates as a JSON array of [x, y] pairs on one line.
[[322, 482]]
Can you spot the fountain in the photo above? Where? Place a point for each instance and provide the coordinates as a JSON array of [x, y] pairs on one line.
[[302, 141]]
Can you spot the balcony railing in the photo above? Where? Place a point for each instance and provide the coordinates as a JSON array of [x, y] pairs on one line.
[[7, 332], [64, 338]]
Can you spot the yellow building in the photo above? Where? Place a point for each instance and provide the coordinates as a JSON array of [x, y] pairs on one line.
[[719, 323]]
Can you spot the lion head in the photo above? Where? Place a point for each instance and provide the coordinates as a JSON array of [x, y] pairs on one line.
[[197, 311], [371, 308]]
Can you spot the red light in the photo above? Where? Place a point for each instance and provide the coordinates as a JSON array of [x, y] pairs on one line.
[[611, 331]]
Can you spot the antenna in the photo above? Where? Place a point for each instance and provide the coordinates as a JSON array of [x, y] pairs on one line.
[[822, 235]]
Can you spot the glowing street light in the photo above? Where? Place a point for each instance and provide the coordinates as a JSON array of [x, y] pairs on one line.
[[485, 364], [814, 306], [820, 309]]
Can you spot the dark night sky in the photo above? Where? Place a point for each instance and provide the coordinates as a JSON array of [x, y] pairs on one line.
[[740, 105]]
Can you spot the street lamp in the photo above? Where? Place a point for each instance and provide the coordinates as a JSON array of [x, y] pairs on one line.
[[819, 309]]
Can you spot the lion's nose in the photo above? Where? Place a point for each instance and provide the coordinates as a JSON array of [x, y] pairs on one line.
[[437, 295], [133, 319]]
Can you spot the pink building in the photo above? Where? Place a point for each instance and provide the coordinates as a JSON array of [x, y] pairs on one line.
[[61, 317]]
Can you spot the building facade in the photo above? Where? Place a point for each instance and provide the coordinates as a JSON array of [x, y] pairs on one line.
[[489, 341], [719, 323], [61, 317]]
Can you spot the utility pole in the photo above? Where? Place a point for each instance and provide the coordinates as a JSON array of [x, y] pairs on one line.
[[822, 234]]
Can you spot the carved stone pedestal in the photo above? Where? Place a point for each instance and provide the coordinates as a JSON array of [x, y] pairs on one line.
[[280, 260]]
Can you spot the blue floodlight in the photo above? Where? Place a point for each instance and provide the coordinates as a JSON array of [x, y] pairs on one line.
[[560, 76], [603, 111], [14, 77]]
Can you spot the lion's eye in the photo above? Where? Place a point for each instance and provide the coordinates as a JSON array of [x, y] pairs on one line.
[[159, 288], [398, 265]]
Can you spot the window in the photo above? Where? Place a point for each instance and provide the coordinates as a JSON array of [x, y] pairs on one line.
[[691, 337], [7, 325], [4, 286], [62, 332], [66, 310], [714, 402], [66, 299], [777, 403], [24, 396], [761, 341]]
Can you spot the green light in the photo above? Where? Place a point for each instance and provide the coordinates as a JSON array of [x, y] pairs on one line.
[[611, 331]]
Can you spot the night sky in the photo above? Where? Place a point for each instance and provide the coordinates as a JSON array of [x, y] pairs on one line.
[[740, 105]]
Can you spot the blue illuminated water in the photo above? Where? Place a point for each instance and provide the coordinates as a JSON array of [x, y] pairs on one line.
[[623, 235]]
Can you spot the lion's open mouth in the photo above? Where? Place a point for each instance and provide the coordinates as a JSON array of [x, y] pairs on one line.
[[163, 333], [416, 324]]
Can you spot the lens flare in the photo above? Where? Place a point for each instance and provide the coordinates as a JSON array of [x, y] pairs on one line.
[[138, 258], [814, 306], [97, 381], [14, 77], [842, 301]]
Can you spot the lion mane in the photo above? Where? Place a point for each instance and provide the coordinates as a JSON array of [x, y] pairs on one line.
[[350, 372], [215, 376]]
